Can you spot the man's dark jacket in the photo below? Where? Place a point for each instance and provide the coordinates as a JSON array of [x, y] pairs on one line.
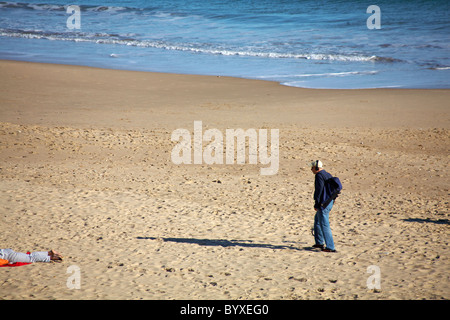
[[319, 184]]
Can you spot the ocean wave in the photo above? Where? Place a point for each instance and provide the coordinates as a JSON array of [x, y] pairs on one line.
[[153, 11], [303, 84], [327, 74], [116, 39], [57, 7], [439, 68]]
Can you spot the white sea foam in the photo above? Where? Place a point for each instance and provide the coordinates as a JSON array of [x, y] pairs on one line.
[[56, 7], [329, 74], [103, 38]]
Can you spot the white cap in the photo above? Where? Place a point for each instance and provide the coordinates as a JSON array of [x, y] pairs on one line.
[[317, 163]]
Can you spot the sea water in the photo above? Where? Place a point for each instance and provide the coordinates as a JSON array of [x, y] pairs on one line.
[[311, 43]]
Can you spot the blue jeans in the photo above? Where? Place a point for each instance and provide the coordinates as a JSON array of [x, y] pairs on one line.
[[322, 230]]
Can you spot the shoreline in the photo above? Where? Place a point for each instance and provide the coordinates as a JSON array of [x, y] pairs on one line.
[[85, 169], [220, 76]]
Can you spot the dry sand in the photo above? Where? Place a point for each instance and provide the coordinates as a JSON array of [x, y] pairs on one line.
[[85, 169]]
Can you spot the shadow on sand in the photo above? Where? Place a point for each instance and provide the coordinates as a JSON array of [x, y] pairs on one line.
[[439, 221], [227, 243]]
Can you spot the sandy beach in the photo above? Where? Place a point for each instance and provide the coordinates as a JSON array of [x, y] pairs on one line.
[[86, 169]]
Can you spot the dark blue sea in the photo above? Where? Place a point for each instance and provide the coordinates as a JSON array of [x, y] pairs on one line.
[[311, 43]]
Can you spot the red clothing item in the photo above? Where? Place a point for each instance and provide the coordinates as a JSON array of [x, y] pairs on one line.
[[15, 264]]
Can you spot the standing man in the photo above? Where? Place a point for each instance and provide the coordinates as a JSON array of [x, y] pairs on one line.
[[322, 231]]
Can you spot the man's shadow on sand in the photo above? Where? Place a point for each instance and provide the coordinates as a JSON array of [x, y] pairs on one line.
[[228, 243]]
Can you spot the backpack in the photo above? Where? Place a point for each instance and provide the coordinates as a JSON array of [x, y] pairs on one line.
[[331, 190]]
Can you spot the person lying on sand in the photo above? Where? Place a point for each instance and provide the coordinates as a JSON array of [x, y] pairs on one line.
[[12, 256]]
